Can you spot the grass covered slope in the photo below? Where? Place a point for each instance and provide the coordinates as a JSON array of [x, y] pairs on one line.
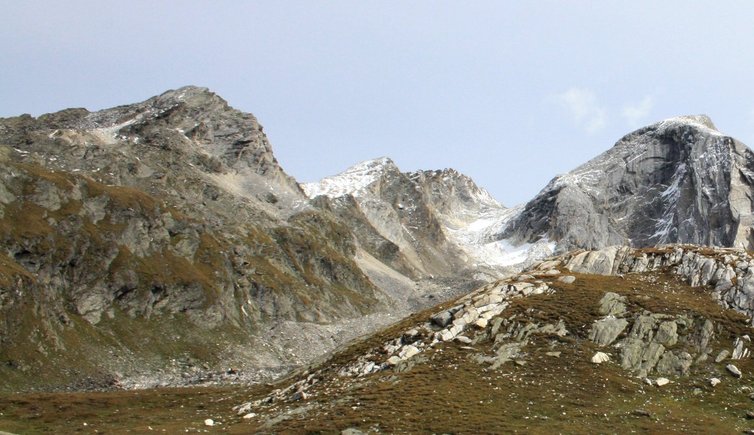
[[104, 285], [548, 385]]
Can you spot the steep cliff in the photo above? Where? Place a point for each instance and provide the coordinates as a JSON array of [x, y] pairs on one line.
[[676, 181]]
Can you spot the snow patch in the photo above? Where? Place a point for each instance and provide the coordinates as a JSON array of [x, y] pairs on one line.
[[350, 182]]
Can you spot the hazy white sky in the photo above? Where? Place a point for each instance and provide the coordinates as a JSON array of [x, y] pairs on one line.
[[509, 92]]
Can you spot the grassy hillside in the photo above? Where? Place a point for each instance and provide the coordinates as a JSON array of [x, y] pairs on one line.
[[551, 387]]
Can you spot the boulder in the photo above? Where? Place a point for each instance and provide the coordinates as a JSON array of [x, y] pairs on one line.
[[594, 262], [612, 304], [409, 351], [463, 339], [600, 357], [639, 356], [733, 370], [299, 395], [506, 353], [605, 331], [722, 356], [667, 334], [739, 351], [393, 360], [676, 365]]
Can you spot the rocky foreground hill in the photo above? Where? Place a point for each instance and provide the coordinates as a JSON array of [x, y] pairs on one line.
[[617, 340], [611, 340]]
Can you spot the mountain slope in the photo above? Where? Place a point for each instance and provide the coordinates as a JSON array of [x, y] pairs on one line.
[[170, 217], [676, 181], [173, 218], [440, 221]]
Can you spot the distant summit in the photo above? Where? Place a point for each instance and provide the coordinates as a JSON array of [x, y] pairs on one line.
[[676, 181]]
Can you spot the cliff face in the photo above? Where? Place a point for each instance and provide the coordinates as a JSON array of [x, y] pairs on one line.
[[677, 181]]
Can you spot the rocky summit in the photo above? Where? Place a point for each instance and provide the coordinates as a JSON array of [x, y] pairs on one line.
[[676, 181], [161, 244]]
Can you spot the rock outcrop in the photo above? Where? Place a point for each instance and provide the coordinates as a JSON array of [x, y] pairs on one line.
[[729, 271]]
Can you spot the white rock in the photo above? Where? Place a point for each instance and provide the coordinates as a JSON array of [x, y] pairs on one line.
[[481, 323], [714, 381], [733, 370], [445, 335], [209, 422], [249, 415], [393, 360], [463, 339], [600, 357], [662, 381], [409, 351], [243, 409]]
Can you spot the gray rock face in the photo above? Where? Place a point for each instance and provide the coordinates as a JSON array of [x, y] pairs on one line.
[[605, 331], [677, 181], [647, 347], [612, 304], [393, 215], [427, 223]]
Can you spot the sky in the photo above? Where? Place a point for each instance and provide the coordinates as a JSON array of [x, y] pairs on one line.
[[510, 93]]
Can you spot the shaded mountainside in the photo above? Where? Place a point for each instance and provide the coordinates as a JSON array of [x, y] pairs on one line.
[[676, 181]]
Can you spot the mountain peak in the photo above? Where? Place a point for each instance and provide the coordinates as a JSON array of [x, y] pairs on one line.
[[671, 182], [698, 122], [353, 179], [701, 119], [192, 95]]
